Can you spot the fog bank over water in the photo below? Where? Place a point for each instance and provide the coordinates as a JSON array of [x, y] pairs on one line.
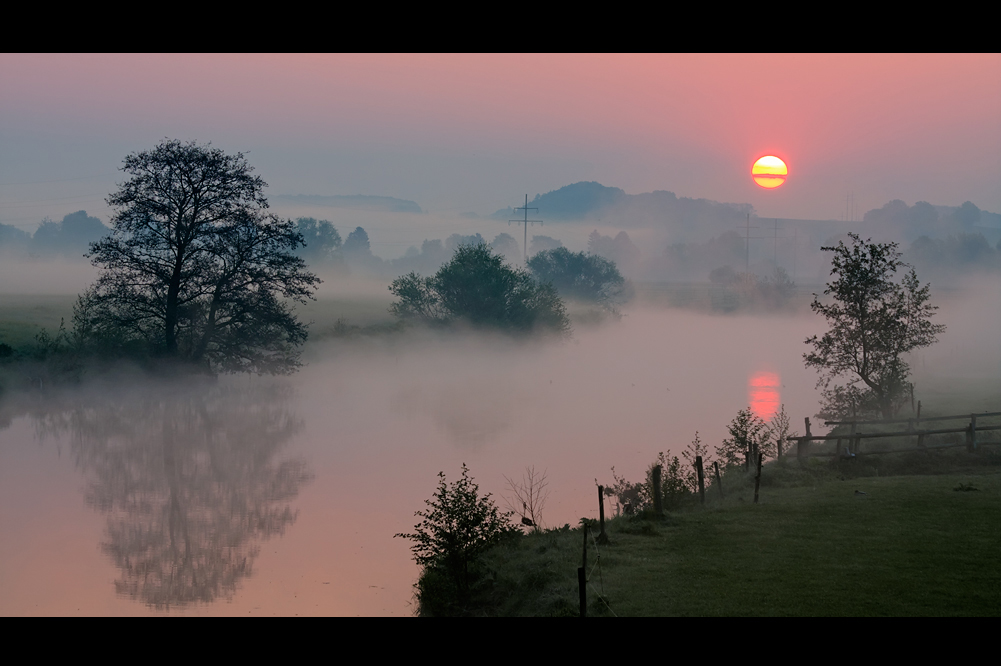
[[311, 475]]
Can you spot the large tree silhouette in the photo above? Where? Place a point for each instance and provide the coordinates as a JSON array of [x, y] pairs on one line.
[[874, 322], [195, 268]]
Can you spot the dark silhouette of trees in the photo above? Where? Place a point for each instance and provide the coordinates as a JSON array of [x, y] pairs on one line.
[[72, 236], [873, 322], [320, 240], [506, 245], [585, 277], [543, 243], [195, 268], [477, 288]]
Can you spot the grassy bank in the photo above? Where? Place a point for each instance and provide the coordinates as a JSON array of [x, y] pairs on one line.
[[826, 540]]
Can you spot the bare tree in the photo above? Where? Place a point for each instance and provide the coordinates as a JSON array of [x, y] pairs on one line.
[[529, 497]]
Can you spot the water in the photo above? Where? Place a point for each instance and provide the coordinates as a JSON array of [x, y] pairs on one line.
[[258, 496]]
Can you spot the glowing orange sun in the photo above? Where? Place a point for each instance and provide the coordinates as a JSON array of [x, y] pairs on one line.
[[769, 172]]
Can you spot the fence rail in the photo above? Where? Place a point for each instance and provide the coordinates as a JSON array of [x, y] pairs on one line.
[[854, 437]]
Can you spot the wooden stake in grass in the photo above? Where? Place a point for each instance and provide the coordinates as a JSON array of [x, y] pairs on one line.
[[719, 481], [658, 499], [802, 443], [602, 537], [582, 589], [702, 483], [757, 478]]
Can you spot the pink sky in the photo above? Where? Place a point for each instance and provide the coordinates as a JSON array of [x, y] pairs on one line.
[[469, 132]]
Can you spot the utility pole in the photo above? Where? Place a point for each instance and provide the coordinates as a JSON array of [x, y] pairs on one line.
[[747, 248], [526, 221]]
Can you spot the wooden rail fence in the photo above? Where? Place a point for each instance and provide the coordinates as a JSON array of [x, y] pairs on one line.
[[855, 435]]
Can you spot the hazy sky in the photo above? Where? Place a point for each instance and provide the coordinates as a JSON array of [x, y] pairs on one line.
[[476, 132]]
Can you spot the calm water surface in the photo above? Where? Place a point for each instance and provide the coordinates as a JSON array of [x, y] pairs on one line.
[[281, 496]]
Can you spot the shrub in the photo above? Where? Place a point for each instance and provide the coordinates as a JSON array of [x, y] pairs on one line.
[[458, 527], [477, 288]]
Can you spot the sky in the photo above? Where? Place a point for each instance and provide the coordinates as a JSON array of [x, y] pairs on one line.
[[459, 133]]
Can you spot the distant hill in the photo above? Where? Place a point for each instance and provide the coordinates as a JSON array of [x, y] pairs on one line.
[[610, 205], [388, 204]]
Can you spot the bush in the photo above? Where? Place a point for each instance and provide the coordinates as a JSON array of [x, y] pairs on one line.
[[458, 527], [477, 288], [584, 277]]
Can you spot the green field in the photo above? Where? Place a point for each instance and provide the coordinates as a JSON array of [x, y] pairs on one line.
[[24, 317], [911, 545]]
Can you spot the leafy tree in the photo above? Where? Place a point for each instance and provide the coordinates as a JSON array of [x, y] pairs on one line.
[[541, 244], [586, 277], [506, 245], [195, 268], [357, 243], [873, 322], [455, 241], [457, 528], [320, 240], [476, 287], [71, 236], [748, 437], [779, 430]]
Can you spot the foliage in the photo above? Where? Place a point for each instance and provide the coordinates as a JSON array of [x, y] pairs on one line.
[[873, 322], [585, 277], [195, 268], [778, 431], [748, 437], [457, 528], [628, 496], [692, 451], [529, 497], [477, 288], [320, 240], [639, 497]]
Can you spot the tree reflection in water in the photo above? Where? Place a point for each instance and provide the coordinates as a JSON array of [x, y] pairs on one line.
[[189, 480]]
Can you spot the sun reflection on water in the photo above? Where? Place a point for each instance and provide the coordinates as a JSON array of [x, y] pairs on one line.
[[763, 394]]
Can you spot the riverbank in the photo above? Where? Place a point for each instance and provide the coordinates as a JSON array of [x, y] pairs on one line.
[[821, 541]]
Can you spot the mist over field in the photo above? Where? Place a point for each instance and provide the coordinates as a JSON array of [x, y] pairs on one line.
[[129, 488]]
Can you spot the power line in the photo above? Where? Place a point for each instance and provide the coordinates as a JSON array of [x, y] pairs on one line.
[[526, 221]]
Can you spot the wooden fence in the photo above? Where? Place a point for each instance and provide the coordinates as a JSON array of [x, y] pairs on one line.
[[849, 444]]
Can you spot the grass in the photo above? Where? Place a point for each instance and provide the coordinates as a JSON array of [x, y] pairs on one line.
[[910, 545], [22, 317]]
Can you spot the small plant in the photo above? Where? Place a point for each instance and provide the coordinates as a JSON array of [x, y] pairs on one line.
[[529, 497], [457, 528], [749, 436], [692, 451], [778, 431]]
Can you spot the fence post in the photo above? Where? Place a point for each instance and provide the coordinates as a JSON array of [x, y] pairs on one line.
[[919, 410], [702, 484], [973, 431], [602, 537], [658, 498], [801, 444], [582, 588], [719, 481], [757, 478]]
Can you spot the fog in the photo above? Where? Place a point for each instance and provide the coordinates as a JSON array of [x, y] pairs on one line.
[[257, 495]]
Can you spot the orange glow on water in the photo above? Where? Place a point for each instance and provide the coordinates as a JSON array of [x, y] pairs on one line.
[[763, 394], [769, 172]]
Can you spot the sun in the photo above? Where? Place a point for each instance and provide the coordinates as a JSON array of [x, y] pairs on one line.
[[769, 172]]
